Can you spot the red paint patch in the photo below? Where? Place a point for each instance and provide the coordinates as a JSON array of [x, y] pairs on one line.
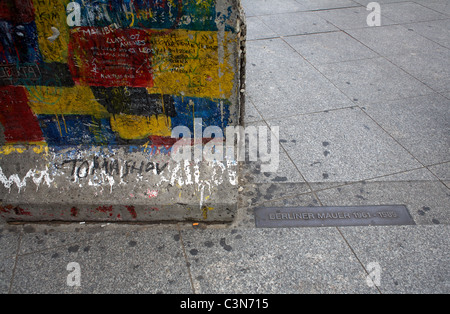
[[9, 209], [74, 212], [168, 142], [19, 122], [132, 211], [163, 141], [5, 10], [104, 209], [152, 193], [17, 10], [24, 10], [110, 58], [21, 212]]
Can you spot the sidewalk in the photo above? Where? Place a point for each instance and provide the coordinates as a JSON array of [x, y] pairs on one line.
[[364, 117]]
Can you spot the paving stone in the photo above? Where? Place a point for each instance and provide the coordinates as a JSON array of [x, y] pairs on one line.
[[248, 261], [342, 146], [149, 261], [420, 124], [373, 80], [412, 260], [330, 47]]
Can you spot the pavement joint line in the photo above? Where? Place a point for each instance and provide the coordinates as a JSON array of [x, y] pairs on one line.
[[405, 26], [391, 62], [355, 105], [439, 163], [439, 179], [360, 59], [398, 99], [323, 75], [309, 10], [280, 198], [186, 260], [382, 56], [390, 135], [288, 36], [419, 3], [344, 184], [305, 114], [445, 94], [257, 110], [356, 256], [378, 177], [399, 67], [298, 170], [332, 9]]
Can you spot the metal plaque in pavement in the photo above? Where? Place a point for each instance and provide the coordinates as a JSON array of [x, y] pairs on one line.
[[290, 217]]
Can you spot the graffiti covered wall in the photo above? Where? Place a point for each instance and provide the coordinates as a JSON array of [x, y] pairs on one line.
[[115, 72]]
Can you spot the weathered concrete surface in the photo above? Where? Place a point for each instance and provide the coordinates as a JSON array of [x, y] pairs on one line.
[[84, 139], [115, 185]]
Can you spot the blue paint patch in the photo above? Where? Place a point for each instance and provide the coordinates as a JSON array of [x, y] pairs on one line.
[[212, 112], [76, 130], [19, 43], [153, 14]]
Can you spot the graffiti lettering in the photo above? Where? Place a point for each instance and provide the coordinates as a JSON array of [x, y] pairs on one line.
[[13, 74], [118, 67], [90, 72], [82, 168]]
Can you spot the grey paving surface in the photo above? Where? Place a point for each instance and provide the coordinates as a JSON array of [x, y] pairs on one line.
[[424, 271], [436, 31], [111, 262], [244, 261], [364, 120], [330, 47], [419, 124]]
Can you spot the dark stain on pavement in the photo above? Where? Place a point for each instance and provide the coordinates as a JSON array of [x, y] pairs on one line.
[[73, 249], [224, 245]]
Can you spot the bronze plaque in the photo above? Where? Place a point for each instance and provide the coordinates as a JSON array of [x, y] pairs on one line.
[[291, 217]]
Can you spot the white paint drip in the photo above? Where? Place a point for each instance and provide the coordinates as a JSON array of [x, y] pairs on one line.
[[187, 171], [232, 175], [196, 173], [174, 175]]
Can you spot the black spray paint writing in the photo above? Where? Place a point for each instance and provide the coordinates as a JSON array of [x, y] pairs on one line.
[[82, 168]]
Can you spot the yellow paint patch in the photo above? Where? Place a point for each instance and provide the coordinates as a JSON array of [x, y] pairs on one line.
[[37, 147], [9, 149], [132, 127], [205, 210], [187, 63], [41, 148], [52, 13], [77, 100]]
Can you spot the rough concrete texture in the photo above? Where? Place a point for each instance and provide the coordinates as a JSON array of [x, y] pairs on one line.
[[88, 108], [97, 185]]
